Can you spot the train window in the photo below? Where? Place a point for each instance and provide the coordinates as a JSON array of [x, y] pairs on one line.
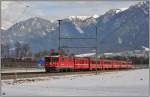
[[78, 61], [124, 63], [85, 61], [93, 62], [47, 59], [55, 59], [82, 61], [63, 59], [107, 63]]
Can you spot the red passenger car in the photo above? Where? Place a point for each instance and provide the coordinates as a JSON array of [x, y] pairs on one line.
[[66, 63]]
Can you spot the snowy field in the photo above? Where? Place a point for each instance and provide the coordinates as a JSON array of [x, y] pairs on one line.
[[12, 70], [118, 83]]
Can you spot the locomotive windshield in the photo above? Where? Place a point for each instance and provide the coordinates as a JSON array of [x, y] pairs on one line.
[[47, 59], [54, 59], [51, 59]]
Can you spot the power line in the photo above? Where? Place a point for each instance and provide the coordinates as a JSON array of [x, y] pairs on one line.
[[70, 38]]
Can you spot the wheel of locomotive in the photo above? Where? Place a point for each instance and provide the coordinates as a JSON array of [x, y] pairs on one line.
[[61, 70], [66, 69], [69, 70], [57, 69], [72, 70], [47, 69]]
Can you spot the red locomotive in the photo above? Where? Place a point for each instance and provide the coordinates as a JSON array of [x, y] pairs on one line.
[[67, 63]]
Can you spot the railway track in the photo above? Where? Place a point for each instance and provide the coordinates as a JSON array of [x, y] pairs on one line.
[[5, 76]]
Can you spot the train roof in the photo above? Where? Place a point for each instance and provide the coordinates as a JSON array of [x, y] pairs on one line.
[[53, 56]]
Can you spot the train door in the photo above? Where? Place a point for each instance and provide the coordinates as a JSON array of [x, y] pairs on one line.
[[47, 61], [55, 61], [101, 63]]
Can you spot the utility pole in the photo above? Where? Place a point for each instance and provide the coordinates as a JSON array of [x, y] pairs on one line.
[[96, 50], [83, 38], [23, 12], [59, 21]]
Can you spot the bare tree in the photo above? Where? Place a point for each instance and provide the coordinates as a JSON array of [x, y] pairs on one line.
[[18, 49], [26, 49], [23, 50], [5, 50]]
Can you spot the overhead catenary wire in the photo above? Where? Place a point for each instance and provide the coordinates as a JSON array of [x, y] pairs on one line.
[[70, 38]]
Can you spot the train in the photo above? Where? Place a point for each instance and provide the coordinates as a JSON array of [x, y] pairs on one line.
[[71, 63]]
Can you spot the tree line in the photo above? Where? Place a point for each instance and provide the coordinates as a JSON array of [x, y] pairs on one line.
[[19, 50], [23, 50]]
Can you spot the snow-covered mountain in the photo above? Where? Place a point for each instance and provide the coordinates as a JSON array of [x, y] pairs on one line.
[[128, 29], [118, 29], [82, 17], [34, 26]]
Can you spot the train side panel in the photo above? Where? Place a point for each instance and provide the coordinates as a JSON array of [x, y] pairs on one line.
[[66, 62], [81, 63]]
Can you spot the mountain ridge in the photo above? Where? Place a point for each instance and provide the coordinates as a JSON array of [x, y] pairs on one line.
[[117, 30]]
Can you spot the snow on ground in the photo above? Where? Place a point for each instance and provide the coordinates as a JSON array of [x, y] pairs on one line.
[[118, 83], [11, 70]]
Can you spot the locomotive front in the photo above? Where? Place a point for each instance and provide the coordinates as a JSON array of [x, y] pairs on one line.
[[51, 63]]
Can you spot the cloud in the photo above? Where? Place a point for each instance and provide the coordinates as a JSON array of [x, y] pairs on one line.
[[12, 12], [15, 11], [5, 5]]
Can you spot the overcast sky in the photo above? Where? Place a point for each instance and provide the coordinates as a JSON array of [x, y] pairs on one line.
[[15, 11]]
